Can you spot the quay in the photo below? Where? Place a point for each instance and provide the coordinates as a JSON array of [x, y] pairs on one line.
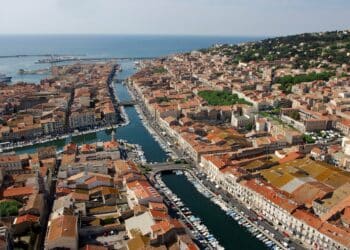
[[179, 208], [157, 169]]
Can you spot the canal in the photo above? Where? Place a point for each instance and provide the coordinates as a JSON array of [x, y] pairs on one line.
[[226, 230], [134, 132]]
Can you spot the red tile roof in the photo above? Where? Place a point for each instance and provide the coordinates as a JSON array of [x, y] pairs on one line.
[[270, 193], [308, 218], [290, 157], [26, 218], [18, 191]]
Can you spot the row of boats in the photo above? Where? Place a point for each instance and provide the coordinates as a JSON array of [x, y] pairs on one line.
[[198, 230], [155, 136], [253, 229], [140, 154], [21, 144], [232, 212]]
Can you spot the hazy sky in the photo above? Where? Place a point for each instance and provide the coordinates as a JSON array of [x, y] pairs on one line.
[[197, 17]]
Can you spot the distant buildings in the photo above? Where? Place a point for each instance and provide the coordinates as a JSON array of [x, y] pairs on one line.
[[78, 97]]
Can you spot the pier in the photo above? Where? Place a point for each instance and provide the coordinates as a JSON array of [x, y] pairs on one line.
[[58, 60]]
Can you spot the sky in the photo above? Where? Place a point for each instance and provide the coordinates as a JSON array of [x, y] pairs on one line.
[[173, 17]]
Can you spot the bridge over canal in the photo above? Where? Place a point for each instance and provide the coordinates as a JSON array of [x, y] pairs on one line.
[[127, 103], [166, 166]]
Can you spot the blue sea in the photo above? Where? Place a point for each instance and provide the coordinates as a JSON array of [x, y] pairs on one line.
[[95, 46]]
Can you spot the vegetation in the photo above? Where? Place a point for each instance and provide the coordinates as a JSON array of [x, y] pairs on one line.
[[221, 98], [295, 115], [307, 50], [159, 70], [288, 81], [144, 169], [9, 208], [107, 221], [308, 139], [162, 99], [180, 161], [249, 127]]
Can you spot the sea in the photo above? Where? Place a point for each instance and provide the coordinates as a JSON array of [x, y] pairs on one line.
[[95, 46]]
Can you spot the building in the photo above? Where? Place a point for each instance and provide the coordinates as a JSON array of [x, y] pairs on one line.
[[62, 233]]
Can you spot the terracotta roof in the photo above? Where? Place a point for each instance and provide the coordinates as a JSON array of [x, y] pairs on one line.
[[98, 179], [63, 226], [93, 247], [274, 195], [142, 189], [310, 191], [157, 206], [218, 161], [308, 218], [79, 196], [9, 158], [158, 215], [26, 218], [162, 227], [346, 215], [340, 235], [18, 191], [291, 157]]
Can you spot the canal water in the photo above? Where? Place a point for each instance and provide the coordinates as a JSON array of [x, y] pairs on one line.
[[134, 132], [226, 230]]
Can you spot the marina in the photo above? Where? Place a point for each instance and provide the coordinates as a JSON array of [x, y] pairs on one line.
[[197, 229], [196, 202]]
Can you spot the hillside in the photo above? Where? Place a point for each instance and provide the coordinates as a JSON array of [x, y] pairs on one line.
[[323, 50]]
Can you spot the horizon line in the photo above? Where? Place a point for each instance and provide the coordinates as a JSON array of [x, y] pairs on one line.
[[132, 34], [259, 36]]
